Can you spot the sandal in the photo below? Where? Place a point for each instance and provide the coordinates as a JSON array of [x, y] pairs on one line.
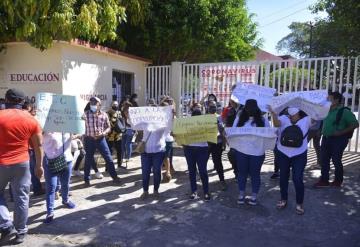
[[281, 204], [299, 210]]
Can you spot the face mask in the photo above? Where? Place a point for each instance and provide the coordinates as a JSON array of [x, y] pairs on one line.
[[212, 109], [196, 112], [115, 108], [93, 108]]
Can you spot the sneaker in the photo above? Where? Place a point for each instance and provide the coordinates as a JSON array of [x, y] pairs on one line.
[[241, 200], [144, 195], [7, 234], [223, 185], [336, 183], [19, 238], [69, 204], [116, 180], [321, 184], [207, 197], [49, 218], [87, 184], [156, 194], [194, 196], [275, 175], [251, 201], [98, 175], [78, 173]]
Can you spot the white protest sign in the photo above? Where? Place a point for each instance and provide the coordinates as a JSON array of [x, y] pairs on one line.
[[261, 94], [59, 113], [251, 139], [313, 103], [150, 118]]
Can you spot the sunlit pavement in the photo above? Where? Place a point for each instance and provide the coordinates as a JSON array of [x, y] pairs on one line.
[[112, 215]]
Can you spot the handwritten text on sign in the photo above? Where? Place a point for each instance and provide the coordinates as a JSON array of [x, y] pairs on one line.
[[249, 139], [59, 113], [313, 103], [195, 129], [261, 94], [150, 118]]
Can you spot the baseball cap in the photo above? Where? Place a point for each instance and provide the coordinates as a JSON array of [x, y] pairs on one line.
[[95, 99], [14, 94]]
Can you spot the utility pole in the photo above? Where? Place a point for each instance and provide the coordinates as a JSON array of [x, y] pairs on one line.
[[311, 34]]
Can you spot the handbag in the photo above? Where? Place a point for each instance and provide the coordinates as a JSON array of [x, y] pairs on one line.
[[119, 126], [141, 146], [59, 163]]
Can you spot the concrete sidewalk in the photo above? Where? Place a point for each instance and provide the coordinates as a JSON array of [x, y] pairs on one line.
[[108, 215]]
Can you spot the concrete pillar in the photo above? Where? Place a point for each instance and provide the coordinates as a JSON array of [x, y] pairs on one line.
[[175, 85]]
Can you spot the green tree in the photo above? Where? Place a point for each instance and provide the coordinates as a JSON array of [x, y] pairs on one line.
[[191, 31], [336, 35], [41, 22]]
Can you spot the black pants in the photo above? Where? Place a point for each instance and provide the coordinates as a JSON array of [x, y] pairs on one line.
[[117, 146], [79, 159], [216, 152], [315, 135], [276, 160], [232, 159]]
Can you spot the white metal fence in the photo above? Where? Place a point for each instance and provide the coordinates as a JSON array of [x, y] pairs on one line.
[[330, 73]]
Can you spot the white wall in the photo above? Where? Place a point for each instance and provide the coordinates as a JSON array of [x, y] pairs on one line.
[[89, 72], [21, 58]]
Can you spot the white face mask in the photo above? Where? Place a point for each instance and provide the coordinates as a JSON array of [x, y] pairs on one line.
[[93, 108]]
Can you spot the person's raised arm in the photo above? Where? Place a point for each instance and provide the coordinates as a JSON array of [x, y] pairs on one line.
[[36, 141], [275, 117]]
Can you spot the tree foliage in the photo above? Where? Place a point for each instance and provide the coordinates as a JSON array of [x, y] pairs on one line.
[[336, 35], [41, 22], [192, 31]]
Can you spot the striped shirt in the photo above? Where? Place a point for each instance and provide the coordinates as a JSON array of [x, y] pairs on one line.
[[96, 123]]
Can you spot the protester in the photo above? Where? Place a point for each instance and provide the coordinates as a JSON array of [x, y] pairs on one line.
[[114, 138], [19, 129], [216, 149], [97, 126], [337, 129], [128, 134], [315, 136], [2, 104], [248, 159], [57, 144], [197, 155], [169, 142], [77, 150], [134, 100], [293, 130]]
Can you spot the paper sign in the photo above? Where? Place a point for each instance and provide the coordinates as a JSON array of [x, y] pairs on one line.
[[251, 138], [195, 129], [59, 113], [313, 103], [150, 118], [261, 94]]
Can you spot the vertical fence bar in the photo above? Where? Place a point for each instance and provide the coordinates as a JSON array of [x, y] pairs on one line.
[[302, 75], [315, 75], [309, 75], [321, 74], [291, 69], [334, 75], [328, 75], [341, 75]]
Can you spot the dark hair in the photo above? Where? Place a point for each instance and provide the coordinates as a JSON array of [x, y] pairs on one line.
[[251, 105], [87, 107], [337, 96], [212, 95]]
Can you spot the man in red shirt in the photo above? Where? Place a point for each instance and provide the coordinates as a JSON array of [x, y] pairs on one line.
[[17, 129]]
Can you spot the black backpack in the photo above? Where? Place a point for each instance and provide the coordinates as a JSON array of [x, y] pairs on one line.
[[338, 119], [292, 136]]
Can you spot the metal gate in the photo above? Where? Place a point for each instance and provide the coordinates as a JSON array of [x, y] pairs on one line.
[[189, 83]]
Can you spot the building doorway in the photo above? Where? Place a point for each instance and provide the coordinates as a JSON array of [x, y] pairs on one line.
[[122, 84]]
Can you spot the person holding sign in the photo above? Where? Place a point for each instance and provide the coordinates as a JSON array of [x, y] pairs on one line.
[[291, 153], [248, 159], [197, 154], [97, 127]]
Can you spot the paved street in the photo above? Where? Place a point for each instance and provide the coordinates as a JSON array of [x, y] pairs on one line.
[[108, 215]]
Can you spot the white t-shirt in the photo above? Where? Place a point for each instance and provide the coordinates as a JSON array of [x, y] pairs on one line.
[[53, 145], [255, 145], [155, 143], [304, 125]]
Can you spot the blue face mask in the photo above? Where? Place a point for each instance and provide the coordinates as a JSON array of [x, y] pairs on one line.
[[93, 108]]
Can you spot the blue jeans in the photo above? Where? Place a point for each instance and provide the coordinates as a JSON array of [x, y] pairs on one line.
[[297, 163], [36, 184], [154, 161], [197, 156], [249, 165], [90, 147], [20, 178], [52, 184], [332, 148], [127, 144]]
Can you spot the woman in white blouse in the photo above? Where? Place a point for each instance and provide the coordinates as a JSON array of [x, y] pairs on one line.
[[56, 144], [249, 158]]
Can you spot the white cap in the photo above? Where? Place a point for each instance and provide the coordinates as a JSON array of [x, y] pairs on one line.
[[293, 111]]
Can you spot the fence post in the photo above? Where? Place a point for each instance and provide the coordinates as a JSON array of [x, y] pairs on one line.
[[175, 84]]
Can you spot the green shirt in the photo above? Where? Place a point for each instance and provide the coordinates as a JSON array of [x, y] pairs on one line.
[[347, 119]]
